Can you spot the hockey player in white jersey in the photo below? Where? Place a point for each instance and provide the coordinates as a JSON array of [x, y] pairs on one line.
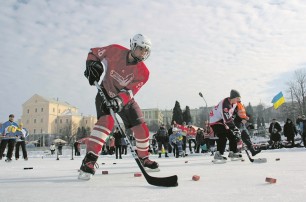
[[222, 123]]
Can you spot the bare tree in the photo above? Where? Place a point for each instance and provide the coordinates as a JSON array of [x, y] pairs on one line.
[[69, 131], [297, 87]]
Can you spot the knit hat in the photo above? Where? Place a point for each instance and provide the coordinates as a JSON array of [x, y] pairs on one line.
[[234, 94]]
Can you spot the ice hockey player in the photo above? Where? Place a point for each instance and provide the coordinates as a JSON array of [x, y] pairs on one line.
[[222, 123], [125, 73], [176, 139], [240, 121]]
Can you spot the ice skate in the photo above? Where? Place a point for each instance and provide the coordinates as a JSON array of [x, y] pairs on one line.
[[8, 160], [218, 158], [87, 169], [235, 156], [254, 152], [150, 166]]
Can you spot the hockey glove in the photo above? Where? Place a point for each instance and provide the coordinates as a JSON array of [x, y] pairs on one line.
[[115, 104], [93, 72], [237, 134]]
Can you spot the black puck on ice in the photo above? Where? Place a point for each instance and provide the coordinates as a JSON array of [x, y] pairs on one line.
[[114, 163], [103, 163], [28, 168]]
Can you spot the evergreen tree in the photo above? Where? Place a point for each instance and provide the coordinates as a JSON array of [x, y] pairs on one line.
[[250, 112], [258, 123], [186, 115], [177, 115], [263, 122]]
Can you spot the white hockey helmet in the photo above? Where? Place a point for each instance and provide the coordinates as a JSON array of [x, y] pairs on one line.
[[141, 41]]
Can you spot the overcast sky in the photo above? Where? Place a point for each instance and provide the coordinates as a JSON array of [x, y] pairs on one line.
[[208, 46]]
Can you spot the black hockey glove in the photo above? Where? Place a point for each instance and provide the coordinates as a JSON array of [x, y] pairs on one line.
[[93, 72], [237, 134], [115, 104]]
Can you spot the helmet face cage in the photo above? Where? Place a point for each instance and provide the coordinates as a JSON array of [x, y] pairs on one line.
[[141, 41]]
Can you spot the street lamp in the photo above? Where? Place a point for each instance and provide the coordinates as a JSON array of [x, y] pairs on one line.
[[201, 95]]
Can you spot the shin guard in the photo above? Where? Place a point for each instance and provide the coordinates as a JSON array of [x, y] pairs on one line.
[[141, 134], [100, 132]]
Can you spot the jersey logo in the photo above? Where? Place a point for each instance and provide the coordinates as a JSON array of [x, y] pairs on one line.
[[123, 81]]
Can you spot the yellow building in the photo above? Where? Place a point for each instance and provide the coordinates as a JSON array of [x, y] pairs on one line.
[[41, 115]]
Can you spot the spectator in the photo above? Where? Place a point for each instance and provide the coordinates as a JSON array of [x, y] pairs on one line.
[[52, 148], [8, 130], [117, 136], [123, 146], [191, 133], [162, 139], [275, 136], [22, 133], [290, 131], [304, 130], [299, 124], [199, 140], [60, 148], [77, 147], [111, 144]]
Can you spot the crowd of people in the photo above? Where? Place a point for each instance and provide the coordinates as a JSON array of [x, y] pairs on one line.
[[13, 137]]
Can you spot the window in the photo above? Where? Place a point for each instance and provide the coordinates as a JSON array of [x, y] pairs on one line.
[[28, 111], [42, 109], [53, 109], [41, 120], [66, 120], [34, 131], [41, 130], [86, 122], [34, 120], [55, 120], [35, 109], [27, 121], [60, 120], [60, 131]]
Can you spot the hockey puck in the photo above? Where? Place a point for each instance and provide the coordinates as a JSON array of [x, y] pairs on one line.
[[186, 161], [242, 159], [196, 178], [277, 159], [270, 180], [28, 168], [104, 172], [103, 163], [114, 163], [137, 174]]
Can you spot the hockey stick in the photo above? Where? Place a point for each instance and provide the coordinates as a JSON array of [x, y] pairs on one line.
[[170, 181], [260, 160]]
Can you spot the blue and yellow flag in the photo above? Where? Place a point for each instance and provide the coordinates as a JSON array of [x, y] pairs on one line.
[[278, 100]]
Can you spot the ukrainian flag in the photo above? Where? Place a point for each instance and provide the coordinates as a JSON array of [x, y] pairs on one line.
[[278, 100]]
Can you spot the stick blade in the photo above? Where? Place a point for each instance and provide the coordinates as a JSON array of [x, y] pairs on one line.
[[260, 160], [170, 181]]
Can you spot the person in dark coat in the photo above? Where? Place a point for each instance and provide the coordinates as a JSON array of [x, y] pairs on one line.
[[290, 131], [275, 136], [199, 140], [117, 135], [77, 146], [162, 139]]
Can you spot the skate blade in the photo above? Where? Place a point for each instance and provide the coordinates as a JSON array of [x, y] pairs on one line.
[[260, 160], [152, 170], [217, 161], [84, 176]]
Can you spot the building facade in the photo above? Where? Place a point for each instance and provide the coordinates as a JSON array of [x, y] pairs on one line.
[[43, 116]]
